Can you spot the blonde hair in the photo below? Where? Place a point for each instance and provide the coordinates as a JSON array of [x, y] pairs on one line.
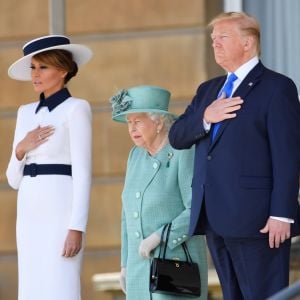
[[247, 24], [60, 59]]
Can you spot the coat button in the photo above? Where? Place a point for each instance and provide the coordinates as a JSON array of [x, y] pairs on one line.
[[179, 239], [135, 214], [137, 234], [174, 242], [184, 236], [209, 157], [155, 165], [137, 195]]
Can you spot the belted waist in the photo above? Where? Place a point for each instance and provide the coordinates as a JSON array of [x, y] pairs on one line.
[[47, 169]]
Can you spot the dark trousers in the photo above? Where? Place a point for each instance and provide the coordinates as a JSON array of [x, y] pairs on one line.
[[247, 267]]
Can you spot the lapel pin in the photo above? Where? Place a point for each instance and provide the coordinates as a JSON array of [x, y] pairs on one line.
[[170, 155], [250, 83]]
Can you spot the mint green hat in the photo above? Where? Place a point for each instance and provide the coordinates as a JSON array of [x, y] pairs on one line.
[[138, 99]]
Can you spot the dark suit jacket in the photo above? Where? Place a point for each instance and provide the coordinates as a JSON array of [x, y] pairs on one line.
[[251, 170]]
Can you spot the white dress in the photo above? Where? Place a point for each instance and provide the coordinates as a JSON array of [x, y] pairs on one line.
[[49, 205]]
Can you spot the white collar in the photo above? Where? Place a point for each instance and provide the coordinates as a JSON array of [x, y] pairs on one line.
[[244, 69]]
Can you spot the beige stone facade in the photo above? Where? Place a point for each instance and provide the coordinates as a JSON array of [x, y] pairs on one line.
[[157, 42]]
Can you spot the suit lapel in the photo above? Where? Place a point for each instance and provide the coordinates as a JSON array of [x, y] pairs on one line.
[[250, 81], [216, 87], [243, 90]]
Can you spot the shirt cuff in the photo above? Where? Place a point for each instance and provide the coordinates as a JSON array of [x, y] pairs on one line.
[[287, 220], [206, 126]]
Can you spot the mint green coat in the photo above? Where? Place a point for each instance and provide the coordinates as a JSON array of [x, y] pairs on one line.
[[157, 191]]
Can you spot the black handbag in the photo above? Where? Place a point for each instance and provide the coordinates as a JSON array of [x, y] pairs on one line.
[[175, 277]]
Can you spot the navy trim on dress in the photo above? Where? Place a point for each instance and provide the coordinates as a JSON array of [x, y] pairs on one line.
[[54, 100], [33, 170]]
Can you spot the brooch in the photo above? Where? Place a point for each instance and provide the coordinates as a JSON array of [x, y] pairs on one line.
[[170, 155]]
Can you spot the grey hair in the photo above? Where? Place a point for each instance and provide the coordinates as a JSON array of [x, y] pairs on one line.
[[168, 119]]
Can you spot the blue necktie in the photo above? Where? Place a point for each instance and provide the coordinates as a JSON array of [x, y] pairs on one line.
[[227, 89]]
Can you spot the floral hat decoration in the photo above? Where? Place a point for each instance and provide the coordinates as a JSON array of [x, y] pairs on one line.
[[140, 99]]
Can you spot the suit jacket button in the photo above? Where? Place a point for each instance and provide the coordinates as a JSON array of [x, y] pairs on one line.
[[209, 157]]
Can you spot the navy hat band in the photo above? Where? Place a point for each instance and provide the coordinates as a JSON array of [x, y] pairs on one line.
[[45, 43]]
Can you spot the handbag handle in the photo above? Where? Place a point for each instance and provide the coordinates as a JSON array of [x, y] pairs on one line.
[[167, 229], [167, 239], [162, 240]]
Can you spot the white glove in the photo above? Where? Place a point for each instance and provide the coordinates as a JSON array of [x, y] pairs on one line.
[[122, 280], [148, 244]]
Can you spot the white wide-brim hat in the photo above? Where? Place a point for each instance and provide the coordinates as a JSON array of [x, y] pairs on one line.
[[20, 70]]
